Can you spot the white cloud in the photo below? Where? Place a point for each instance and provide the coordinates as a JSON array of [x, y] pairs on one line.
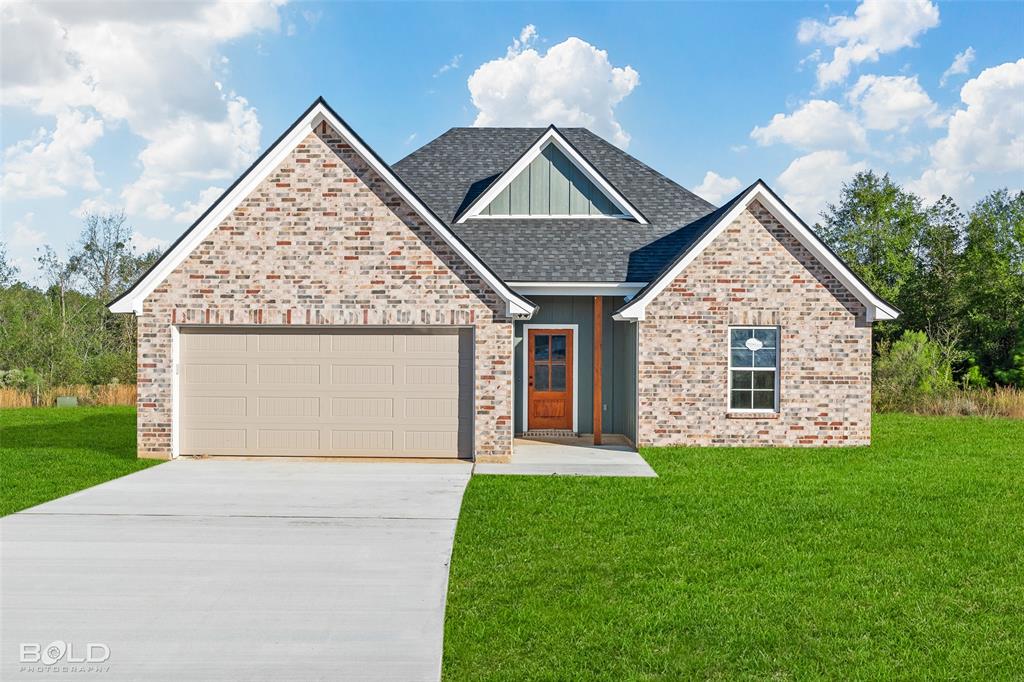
[[714, 187], [22, 235], [312, 17], [93, 205], [890, 102], [877, 27], [155, 67], [961, 65], [934, 182], [191, 148], [572, 84], [817, 124], [813, 181], [453, 63], [142, 243], [985, 135], [193, 209], [49, 163]]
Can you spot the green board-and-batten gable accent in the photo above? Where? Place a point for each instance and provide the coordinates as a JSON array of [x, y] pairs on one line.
[[551, 185], [551, 179]]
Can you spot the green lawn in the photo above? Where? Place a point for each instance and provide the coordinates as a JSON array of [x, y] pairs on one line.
[[902, 560], [46, 453]]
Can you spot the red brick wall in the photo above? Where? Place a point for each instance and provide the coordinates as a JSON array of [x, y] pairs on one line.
[[755, 273], [324, 240]]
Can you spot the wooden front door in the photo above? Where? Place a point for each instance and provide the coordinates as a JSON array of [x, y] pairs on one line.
[[550, 379]]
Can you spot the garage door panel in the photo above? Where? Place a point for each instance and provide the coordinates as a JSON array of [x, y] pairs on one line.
[[363, 408], [288, 343], [215, 342], [299, 440], [345, 392], [214, 440], [287, 406], [367, 343], [356, 441], [303, 375], [356, 375], [215, 374]]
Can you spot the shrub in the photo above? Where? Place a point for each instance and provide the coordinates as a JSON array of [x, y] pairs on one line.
[[909, 372]]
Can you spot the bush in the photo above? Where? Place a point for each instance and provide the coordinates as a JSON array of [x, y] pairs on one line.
[[910, 372], [18, 378]]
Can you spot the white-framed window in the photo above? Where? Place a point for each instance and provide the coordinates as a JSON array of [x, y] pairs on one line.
[[753, 369]]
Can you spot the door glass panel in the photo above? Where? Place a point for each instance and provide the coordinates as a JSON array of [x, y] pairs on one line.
[[557, 377], [540, 347], [558, 347], [540, 378]]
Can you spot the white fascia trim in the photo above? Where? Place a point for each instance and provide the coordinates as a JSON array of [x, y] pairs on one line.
[[624, 289], [575, 372], [877, 309], [133, 300], [552, 136]]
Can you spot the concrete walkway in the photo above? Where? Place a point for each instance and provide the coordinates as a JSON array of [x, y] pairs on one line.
[[539, 458], [240, 570]]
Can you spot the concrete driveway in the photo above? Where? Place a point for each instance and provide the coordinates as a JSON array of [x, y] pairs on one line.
[[237, 569]]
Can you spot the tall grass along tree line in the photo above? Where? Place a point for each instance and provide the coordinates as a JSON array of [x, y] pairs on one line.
[[958, 278]]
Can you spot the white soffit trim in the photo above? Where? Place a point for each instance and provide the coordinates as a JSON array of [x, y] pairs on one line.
[[577, 288], [319, 112], [877, 309], [552, 136]]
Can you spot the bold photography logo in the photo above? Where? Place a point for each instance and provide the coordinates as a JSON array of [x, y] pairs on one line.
[[58, 651]]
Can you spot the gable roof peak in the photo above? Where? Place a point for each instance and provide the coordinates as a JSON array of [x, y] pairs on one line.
[[317, 113], [551, 136], [877, 308]]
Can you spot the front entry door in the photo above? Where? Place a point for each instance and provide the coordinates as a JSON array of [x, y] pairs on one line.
[[550, 379]]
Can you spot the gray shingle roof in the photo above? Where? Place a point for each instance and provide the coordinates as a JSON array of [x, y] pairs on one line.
[[449, 172]]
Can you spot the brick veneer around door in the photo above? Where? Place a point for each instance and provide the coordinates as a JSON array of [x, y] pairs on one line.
[[755, 273], [324, 240]]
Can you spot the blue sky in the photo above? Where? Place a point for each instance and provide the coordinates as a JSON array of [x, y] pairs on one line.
[[156, 107]]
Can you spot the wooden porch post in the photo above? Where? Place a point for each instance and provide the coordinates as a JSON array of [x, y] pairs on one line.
[[598, 407]]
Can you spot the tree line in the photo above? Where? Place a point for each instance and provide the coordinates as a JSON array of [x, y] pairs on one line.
[[957, 276], [61, 332]]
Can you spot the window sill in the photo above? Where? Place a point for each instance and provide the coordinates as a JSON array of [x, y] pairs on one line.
[[752, 415]]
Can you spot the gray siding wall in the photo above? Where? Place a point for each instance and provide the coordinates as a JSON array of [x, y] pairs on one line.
[[551, 185], [618, 361]]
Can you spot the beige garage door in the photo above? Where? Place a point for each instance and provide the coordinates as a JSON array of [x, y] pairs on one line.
[[372, 392]]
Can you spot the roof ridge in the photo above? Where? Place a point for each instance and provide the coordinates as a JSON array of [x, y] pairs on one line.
[[650, 169]]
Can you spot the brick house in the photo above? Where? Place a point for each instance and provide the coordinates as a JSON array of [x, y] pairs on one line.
[[495, 282]]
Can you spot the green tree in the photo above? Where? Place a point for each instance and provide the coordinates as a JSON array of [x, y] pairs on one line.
[[63, 333], [106, 258], [932, 298], [875, 228], [993, 284], [8, 270]]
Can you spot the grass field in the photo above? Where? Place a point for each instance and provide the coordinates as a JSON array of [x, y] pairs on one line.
[[904, 560], [46, 453]]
